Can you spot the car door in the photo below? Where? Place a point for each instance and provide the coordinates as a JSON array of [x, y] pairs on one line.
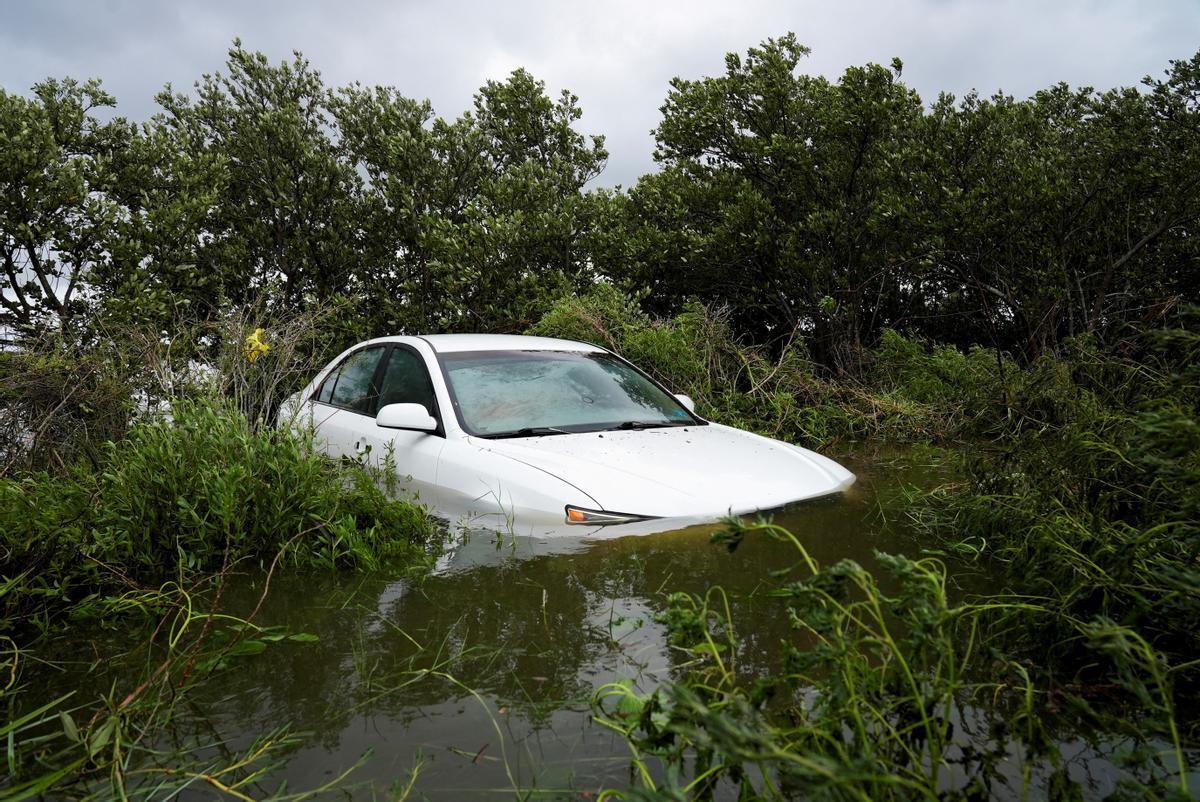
[[412, 456], [343, 407]]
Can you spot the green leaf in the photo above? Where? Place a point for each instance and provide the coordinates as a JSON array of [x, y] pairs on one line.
[[247, 647], [102, 736], [69, 728]]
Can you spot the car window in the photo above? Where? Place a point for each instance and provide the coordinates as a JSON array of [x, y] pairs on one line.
[[327, 388], [406, 381], [505, 391], [350, 385]]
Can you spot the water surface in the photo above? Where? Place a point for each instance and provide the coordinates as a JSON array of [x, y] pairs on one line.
[[482, 673]]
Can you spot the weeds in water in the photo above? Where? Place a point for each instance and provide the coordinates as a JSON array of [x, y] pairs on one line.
[[181, 497], [1090, 498], [113, 747], [880, 695], [150, 534]]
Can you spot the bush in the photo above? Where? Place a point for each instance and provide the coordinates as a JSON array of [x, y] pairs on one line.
[[197, 493], [256, 359], [1088, 493], [60, 402], [741, 385], [887, 690], [57, 407]]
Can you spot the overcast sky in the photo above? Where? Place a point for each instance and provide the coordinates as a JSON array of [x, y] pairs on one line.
[[616, 56]]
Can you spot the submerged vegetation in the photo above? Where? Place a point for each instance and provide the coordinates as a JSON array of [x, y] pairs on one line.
[[138, 481], [110, 746], [143, 541], [1088, 499], [832, 263], [884, 694]]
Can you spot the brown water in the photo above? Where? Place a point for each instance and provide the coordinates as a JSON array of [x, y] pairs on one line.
[[481, 674], [523, 632]]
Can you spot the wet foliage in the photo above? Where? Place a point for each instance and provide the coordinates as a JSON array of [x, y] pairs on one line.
[[785, 396], [186, 495], [137, 738], [143, 541], [1087, 497], [893, 692]]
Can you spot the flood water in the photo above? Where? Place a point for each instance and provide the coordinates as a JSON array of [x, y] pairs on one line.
[[532, 628], [479, 676]]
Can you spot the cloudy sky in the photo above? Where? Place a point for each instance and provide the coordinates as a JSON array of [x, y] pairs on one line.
[[616, 56]]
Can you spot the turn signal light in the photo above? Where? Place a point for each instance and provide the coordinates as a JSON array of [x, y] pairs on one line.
[[578, 515]]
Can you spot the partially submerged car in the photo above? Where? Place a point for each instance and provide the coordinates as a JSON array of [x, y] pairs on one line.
[[531, 433]]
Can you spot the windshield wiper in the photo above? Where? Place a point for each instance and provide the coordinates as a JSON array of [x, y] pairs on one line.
[[646, 424], [528, 431]]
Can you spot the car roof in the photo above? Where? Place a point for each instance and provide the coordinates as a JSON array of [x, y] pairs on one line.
[[450, 343]]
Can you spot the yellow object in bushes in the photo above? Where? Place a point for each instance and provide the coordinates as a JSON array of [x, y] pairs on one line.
[[256, 346]]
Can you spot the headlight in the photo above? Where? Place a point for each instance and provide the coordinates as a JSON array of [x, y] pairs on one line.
[[578, 515]]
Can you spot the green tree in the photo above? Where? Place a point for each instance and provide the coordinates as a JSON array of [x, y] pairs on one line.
[[794, 192], [831, 210], [286, 216], [56, 218], [1065, 214], [155, 274], [421, 174], [472, 224]]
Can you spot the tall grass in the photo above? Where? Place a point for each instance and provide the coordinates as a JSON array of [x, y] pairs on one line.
[[899, 694], [128, 743], [148, 532], [1088, 494], [138, 471], [185, 496]]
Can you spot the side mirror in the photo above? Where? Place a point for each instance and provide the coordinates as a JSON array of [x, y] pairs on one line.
[[687, 401], [406, 416]]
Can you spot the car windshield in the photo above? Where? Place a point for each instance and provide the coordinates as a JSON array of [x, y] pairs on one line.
[[532, 393]]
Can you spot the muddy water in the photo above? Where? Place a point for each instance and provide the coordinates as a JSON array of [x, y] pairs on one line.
[[475, 682], [481, 674]]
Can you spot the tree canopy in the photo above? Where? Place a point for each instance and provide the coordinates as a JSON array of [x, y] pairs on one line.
[[812, 208]]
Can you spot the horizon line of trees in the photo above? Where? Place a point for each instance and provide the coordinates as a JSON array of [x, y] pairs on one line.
[[821, 209]]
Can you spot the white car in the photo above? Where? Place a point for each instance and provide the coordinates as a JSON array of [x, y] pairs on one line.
[[530, 434]]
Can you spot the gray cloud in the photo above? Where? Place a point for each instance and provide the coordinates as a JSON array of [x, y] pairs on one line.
[[616, 56]]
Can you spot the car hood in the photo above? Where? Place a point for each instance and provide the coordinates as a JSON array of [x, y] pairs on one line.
[[707, 470]]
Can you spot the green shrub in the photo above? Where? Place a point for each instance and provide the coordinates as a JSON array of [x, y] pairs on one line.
[[781, 396], [57, 407], [886, 690], [603, 316], [192, 494], [962, 386], [1087, 493]]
